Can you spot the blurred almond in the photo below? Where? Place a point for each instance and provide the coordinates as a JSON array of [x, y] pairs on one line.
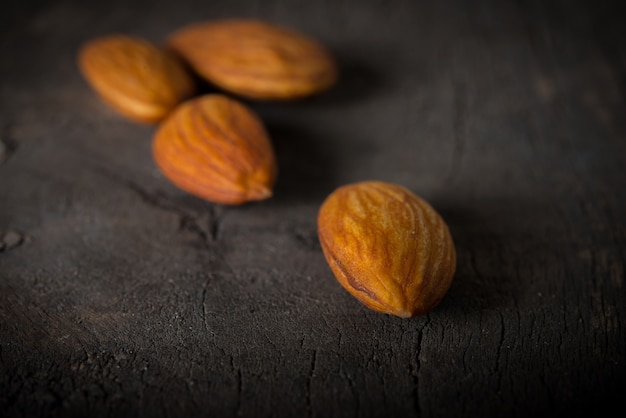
[[138, 79], [255, 59], [387, 247], [216, 148]]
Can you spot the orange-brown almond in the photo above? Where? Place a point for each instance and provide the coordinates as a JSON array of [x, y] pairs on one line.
[[256, 59], [387, 247], [138, 79], [216, 148]]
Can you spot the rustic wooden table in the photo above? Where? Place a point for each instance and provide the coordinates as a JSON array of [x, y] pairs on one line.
[[120, 295]]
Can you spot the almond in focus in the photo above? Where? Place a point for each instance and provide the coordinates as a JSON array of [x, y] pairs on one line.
[[135, 77], [387, 247], [255, 59], [217, 149]]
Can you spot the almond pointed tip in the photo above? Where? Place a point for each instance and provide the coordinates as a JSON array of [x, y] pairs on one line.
[[260, 192], [404, 314]]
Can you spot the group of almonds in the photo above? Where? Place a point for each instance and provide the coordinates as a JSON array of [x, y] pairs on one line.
[[386, 246]]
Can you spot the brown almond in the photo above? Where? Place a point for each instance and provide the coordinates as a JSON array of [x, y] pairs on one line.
[[217, 149], [387, 247], [256, 59], [135, 77]]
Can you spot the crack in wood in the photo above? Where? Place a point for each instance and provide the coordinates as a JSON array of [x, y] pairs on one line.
[[188, 220], [239, 391], [355, 393], [307, 239], [154, 199], [203, 306], [308, 382], [499, 372], [417, 367], [216, 213], [190, 224]]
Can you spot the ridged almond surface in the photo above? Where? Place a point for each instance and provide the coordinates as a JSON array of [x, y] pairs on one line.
[[216, 148], [255, 59], [138, 79], [387, 247]]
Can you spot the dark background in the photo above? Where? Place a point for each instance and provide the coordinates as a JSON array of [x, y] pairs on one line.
[[120, 295]]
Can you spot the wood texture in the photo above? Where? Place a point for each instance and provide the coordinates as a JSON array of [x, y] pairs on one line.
[[120, 295]]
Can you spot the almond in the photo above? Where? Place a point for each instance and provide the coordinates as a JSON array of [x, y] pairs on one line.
[[217, 149], [387, 247], [138, 79], [255, 59]]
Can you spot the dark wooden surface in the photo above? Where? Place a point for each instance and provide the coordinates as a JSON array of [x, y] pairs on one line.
[[123, 296]]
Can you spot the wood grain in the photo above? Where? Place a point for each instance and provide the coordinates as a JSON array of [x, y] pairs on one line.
[[120, 295]]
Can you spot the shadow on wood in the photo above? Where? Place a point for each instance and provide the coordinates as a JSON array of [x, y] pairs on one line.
[[358, 80], [485, 245], [305, 163]]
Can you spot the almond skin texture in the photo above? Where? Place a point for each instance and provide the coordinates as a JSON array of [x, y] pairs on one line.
[[255, 59], [141, 81], [387, 247], [217, 149]]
